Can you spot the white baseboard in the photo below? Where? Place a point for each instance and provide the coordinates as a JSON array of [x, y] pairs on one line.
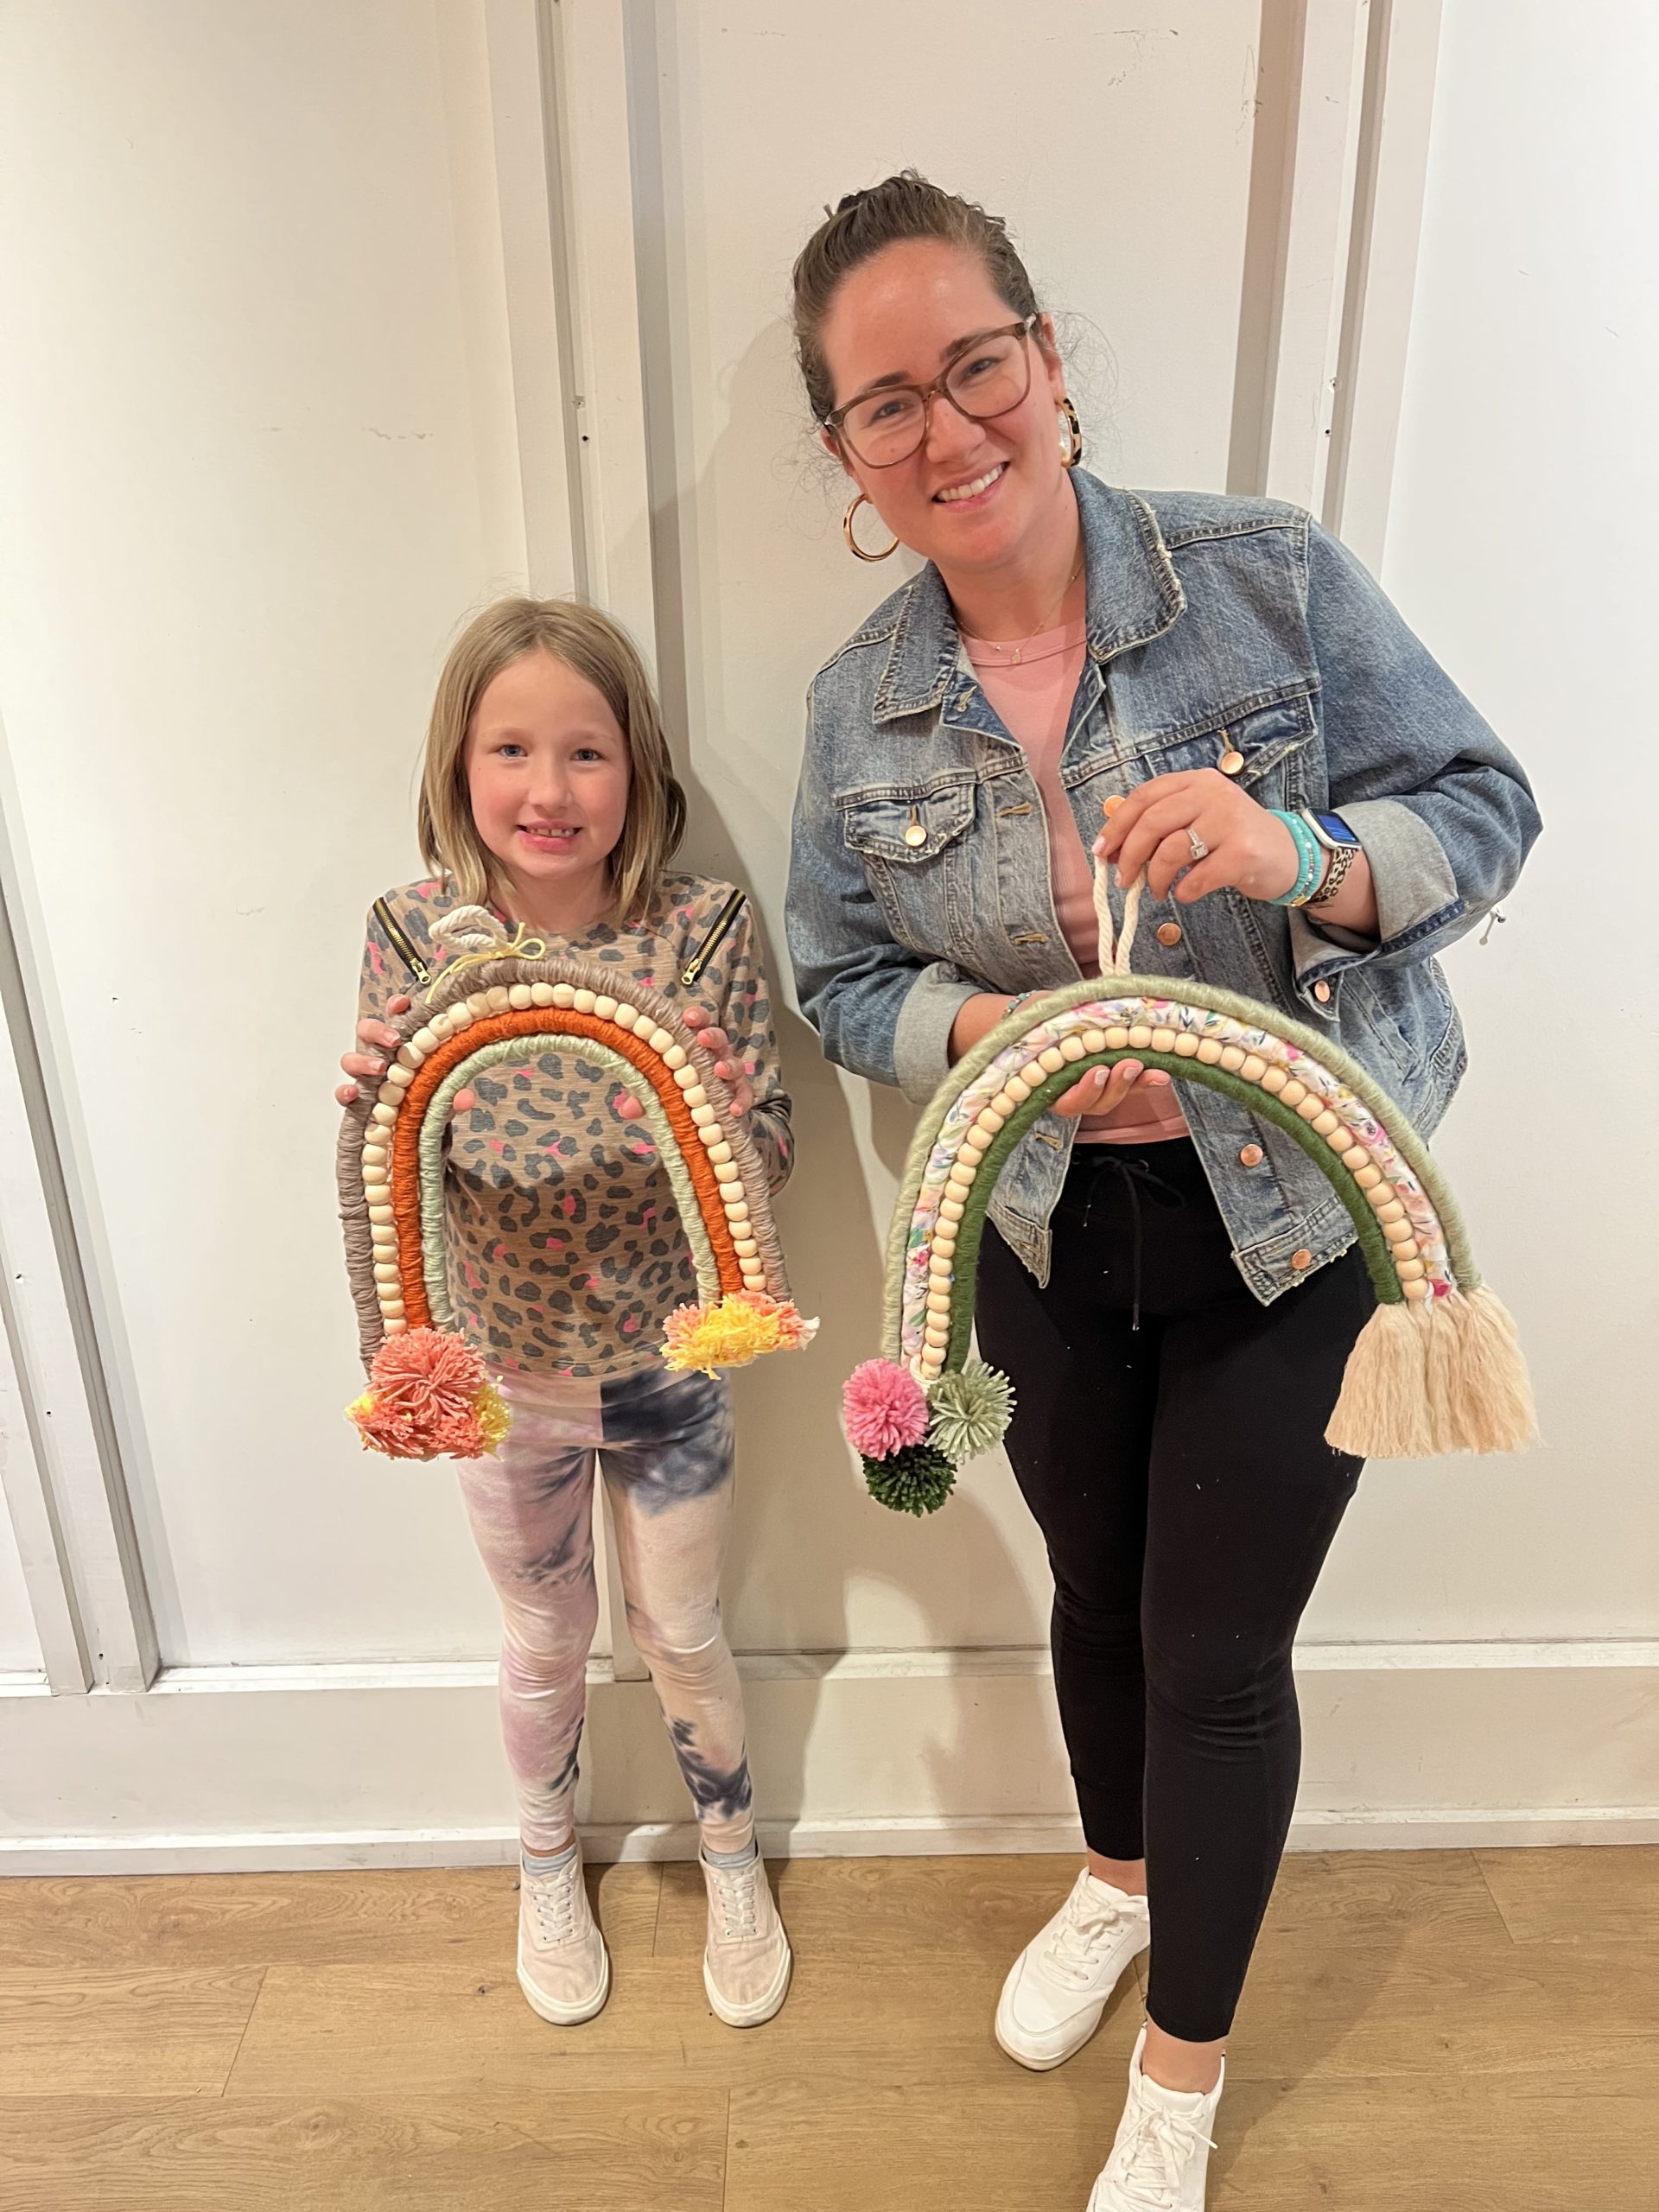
[[860, 1754], [942, 1836]]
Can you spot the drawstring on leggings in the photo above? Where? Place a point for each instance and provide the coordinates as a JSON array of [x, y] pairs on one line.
[[1135, 1175]]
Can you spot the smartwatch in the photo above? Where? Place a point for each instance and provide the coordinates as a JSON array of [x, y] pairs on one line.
[[1342, 845]]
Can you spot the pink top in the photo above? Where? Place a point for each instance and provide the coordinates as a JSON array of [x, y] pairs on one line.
[[1032, 686]]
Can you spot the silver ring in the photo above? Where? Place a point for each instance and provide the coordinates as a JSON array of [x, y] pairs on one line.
[[1200, 850]]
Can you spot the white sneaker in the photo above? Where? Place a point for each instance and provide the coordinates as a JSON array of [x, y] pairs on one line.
[[746, 1964], [1058, 1988], [1162, 2148], [564, 1969]]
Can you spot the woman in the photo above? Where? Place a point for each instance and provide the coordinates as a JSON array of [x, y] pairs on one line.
[[1173, 1287]]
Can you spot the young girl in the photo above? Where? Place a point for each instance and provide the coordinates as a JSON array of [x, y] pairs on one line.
[[547, 794]]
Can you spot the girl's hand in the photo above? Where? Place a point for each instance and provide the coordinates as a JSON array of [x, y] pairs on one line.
[[1249, 851], [713, 1039], [379, 1037]]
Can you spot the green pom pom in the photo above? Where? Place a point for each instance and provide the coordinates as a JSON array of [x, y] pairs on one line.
[[914, 1479], [969, 1411]]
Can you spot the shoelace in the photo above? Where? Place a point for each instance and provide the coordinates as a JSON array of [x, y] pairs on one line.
[[1076, 1941], [1155, 2158], [553, 1899], [735, 1888]]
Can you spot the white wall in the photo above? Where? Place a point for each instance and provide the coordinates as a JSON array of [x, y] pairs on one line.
[[1520, 546], [284, 397]]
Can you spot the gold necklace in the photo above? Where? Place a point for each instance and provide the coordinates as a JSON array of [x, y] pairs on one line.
[[1016, 650]]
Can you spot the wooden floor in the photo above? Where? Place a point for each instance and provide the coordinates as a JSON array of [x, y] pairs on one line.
[[1443, 2031]]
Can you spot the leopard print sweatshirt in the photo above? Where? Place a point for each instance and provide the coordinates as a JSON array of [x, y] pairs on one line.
[[566, 1252]]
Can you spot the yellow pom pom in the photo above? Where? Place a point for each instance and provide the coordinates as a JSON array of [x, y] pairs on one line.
[[731, 1334], [493, 1415]]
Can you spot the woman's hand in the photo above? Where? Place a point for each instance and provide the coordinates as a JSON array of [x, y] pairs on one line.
[[713, 1039], [1103, 1092], [380, 1039], [1249, 849]]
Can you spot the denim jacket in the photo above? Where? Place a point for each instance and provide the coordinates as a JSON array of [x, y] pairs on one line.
[[1214, 624]]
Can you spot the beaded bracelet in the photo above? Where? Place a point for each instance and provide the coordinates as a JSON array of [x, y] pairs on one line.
[[1312, 856]]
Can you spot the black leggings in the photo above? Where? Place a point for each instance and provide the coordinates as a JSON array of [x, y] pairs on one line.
[[1169, 1439]]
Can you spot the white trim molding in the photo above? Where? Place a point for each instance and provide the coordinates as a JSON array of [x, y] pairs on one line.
[[867, 1752]]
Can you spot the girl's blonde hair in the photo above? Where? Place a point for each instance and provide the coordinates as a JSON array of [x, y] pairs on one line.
[[601, 652]]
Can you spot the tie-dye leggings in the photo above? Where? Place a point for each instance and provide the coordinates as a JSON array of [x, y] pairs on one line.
[[664, 1443]]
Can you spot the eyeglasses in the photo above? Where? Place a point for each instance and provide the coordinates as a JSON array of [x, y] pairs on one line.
[[985, 376]]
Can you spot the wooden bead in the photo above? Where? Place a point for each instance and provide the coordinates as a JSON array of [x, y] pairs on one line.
[[478, 1005], [1292, 1092], [719, 1153], [949, 1209], [1379, 1194], [939, 1267], [564, 994], [1232, 1059], [1274, 1080], [605, 1007], [936, 1334], [1163, 1040], [1031, 1076], [627, 1016], [1140, 1036], [1399, 1232], [660, 1042], [705, 1117], [1071, 1048], [744, 1247], [541, 995], [498, 999], [519, 997], [1309, 1108], [938, 1301], [1368, 1177], [1337, 1138], [400, 1077], [396, 1326], [583, 1000], [378, 1214], [388, 1271], [422, 1043], [1253, 1068], [1356, 1157], [1324, 1123], [1186, 1045], [1394, 1210], [1050, 1059], [736, 1205], [990, 1121], [977, 1140], [392, 1308], [675, 1057], [456, 1019], [685, 1076], [727, 1172], [1016, 1089], [383, 1113], [1117, 1038], [695, 1096], [1209, 1051], [1002, 1106], [944, 1242], [1414, 1290], [1411, 1270]]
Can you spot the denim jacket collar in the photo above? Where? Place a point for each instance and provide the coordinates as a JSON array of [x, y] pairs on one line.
[[1135, 595]]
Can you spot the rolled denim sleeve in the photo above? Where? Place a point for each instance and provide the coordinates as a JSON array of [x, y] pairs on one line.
[[1443, 810], [880, 1009]]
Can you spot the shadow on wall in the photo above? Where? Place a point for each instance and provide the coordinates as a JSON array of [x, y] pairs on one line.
[[748, 561]]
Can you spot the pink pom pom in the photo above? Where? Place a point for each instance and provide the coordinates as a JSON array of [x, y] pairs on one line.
[[422, 1398], [884, 1407]]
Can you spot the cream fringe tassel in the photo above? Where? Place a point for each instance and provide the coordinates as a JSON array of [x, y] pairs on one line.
[[1441, 1374]]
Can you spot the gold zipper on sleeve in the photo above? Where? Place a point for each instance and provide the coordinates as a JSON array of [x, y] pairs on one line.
[[400, 944], [723, 920]]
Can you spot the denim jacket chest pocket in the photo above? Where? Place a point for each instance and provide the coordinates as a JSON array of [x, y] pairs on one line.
[[1279, 765], [913, 843]]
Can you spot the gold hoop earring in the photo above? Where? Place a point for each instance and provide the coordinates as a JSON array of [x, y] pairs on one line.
[[853, 545], [1074, 449]]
